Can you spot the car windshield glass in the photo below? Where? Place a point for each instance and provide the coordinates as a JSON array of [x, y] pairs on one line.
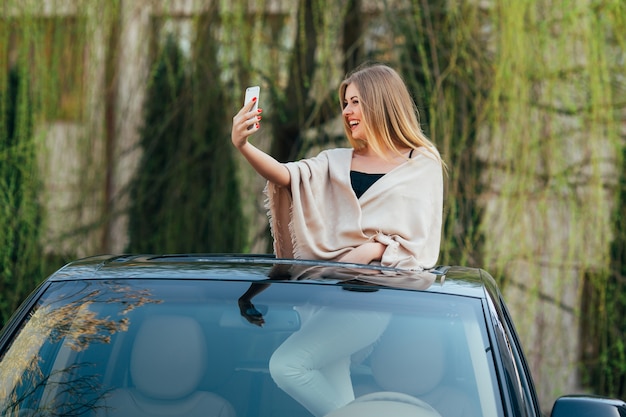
[[189, 347]]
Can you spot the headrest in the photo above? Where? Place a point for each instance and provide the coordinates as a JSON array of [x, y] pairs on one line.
[[409, 358], [168, 357]]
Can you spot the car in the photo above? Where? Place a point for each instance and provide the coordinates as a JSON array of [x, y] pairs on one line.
[[197, 334]]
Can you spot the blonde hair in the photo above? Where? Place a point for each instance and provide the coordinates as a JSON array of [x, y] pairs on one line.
[[389, 113]]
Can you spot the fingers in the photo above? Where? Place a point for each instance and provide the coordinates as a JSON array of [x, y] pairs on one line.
[[247, 107], [250, 104], [245, 123], [253, 115], [246, 113]]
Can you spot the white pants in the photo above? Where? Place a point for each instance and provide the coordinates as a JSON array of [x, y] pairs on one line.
[[313, 364]]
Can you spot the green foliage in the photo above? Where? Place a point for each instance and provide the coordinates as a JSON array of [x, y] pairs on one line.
[[163, 127], [553, 147], [21, 257], [446, 65], [185, 196], [603, 350]]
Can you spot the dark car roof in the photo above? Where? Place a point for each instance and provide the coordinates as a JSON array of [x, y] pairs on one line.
[[458, 280]]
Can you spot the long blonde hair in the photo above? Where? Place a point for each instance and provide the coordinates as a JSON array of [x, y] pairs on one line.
[[388, 112]]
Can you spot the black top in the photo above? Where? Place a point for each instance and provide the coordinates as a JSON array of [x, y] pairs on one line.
[[361, 181]]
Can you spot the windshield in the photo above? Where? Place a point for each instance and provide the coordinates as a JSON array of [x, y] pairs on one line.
[[185, 347]]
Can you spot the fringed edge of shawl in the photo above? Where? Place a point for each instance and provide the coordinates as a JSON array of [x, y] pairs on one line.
[[267, 203], [271, 192]]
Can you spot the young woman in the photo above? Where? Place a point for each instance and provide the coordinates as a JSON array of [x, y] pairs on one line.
[[379, 201]]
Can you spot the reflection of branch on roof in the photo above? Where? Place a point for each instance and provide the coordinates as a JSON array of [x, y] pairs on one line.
[[69, 318], [80, 326], [76, 393]]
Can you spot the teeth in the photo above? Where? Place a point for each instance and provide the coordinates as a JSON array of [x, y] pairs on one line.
[[353, 123]]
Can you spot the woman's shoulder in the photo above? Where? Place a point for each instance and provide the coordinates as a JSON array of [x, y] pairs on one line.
[[335, 155], [328, 153], [335, 158], [334, 152], [427, 153], [426, 161]]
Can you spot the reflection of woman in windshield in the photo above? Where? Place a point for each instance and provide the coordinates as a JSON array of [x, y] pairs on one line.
[[313, 364], [247, 309], [380, 201]]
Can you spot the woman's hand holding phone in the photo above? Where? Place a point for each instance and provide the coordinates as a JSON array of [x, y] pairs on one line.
[[246, 121]]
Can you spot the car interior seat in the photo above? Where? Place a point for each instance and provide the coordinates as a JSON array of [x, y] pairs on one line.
[[413, 359], [167, 362]]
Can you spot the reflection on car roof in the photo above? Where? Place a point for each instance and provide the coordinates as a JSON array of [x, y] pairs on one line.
[[245, 267]]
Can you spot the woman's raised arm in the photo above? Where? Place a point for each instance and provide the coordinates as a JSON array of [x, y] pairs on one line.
[[246, 123]]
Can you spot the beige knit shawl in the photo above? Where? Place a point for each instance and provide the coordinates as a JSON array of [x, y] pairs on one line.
[[320, 217]]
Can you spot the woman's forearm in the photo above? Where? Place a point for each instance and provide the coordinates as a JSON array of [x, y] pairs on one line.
[[267, 166], [364, 254]]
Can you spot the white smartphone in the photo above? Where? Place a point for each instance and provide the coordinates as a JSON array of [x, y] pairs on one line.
[[252, 92]]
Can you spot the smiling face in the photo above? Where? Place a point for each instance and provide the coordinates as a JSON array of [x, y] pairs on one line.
[[352, 112]]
